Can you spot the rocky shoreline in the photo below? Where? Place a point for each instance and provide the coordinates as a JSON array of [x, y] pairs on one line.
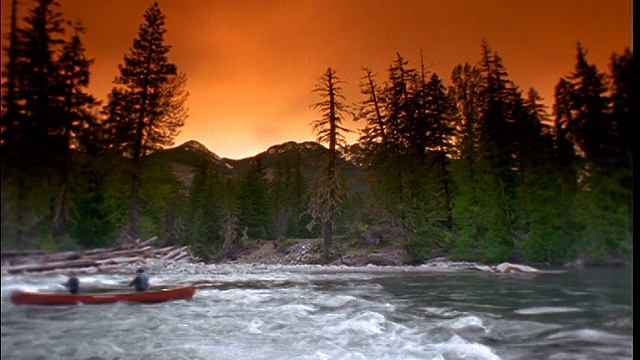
[[284, 253], [308, 253], [311, 252], [305, 252]]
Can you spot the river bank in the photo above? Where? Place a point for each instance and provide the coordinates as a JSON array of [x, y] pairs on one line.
[[311, 252], [347, 256]]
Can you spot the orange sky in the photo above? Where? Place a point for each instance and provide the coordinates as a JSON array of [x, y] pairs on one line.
[[251, 65]]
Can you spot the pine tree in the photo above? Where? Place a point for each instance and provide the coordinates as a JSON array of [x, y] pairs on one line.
[[407, 143], [590, 126], [565, 162], [254, 203], [440, 109], [563, 117], [497, 147], [496, 122], [231, 243], [486, 213], [625, 83], [468, 216], [39, 89], [624, 88], [205, 209], [229, 234], [164, 196], [539, 201], [77, 116], [298, 221], [9, 134], [402, 129], [325, 201], [604, 189], [281, 187], [379, 151], [145, 108], [370, 110], [30, 122], [9, 121], [392, 164]]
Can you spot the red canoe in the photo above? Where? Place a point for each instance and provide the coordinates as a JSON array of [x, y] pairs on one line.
[[40, 298]]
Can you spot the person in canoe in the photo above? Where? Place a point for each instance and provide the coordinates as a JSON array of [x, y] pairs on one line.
[[72, 284], [141, 281]]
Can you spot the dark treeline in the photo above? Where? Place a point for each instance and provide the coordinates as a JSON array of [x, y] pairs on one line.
[[477, 170], [480, 170]]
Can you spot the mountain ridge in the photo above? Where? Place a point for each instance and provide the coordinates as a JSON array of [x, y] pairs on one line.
[[287, 145], [184, 158]]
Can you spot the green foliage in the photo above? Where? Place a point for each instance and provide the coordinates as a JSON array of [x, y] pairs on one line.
[[254, 202], [98, 203], [145, 109], [476, 171], [26, 199], [204, 210], [232, 243], [604, 208], [163, 197]]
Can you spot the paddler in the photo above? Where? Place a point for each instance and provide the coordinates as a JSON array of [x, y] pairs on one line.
[[141, 281], [72, 284]]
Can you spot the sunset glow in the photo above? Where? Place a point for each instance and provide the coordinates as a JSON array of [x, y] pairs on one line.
[[252, 65]]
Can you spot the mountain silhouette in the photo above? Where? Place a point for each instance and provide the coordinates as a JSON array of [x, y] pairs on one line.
[[186, 157]]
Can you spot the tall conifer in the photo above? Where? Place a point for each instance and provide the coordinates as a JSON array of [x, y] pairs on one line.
[[145, 109], [325, 201]]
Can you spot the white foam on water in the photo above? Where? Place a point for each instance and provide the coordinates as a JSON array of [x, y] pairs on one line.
[[296, 309], [571, 292], [334, 301], [568, 356], [540, 310], [458, 348], [255, 326], [368, 323], [316, 313], [587, 334], [466, 322], [245, 296], [443, 312]]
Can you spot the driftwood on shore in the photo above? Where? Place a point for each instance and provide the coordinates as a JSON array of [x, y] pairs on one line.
[[135, 252]]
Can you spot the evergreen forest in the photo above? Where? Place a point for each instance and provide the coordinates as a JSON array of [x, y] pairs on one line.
[[467, 165]]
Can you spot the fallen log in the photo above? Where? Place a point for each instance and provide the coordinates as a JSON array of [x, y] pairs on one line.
[[182, 256], [44, 257], [51, 266], [174, 253], [34, 261], [117, 253], [149, 241], [162, 251], [118, 261]]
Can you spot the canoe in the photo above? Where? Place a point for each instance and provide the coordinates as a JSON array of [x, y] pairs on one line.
[[43, 298]]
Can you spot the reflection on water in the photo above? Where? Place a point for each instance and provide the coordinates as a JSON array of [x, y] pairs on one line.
[[314, 313]]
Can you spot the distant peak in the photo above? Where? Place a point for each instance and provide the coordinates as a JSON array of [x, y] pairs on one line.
[[195, 145], [289, 145]]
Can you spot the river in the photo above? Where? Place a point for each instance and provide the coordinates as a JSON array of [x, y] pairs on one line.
[[314, 312]]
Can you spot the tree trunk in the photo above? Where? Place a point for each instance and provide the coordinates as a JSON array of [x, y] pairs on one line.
[[328, 234], [132, 230]]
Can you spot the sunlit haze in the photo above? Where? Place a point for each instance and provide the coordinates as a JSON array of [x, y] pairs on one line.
[[251, 66]]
